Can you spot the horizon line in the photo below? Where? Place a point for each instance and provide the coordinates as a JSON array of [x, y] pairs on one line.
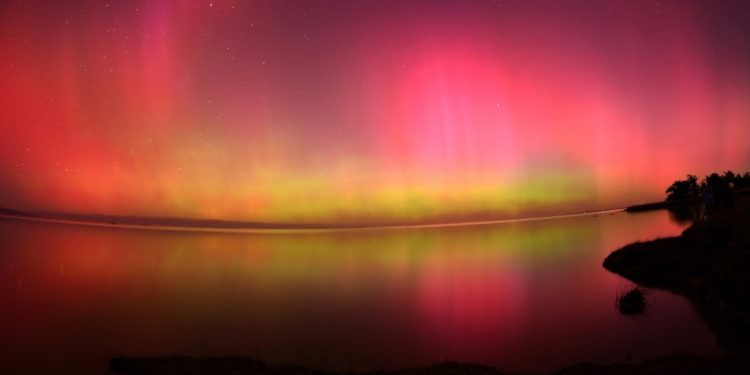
[[267, 227]]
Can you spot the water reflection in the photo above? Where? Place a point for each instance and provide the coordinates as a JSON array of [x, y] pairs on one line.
[[526, 296], [685, 214]]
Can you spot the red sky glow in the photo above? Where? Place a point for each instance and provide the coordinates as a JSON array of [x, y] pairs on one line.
[[366, 111]]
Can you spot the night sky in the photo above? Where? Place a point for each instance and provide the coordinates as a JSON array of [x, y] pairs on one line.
[[366, 111]]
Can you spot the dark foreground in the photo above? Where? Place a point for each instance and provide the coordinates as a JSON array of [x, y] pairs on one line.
[[709, 263], [678, 364]]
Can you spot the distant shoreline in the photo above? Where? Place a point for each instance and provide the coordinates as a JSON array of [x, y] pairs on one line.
[[667, 204], [660, 205], [181, 224], [192, 225]]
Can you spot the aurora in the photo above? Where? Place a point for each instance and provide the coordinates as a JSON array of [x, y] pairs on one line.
[[366, 112]]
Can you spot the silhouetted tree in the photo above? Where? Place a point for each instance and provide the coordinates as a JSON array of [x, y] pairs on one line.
[[693, 182], [719, 186], [742, 181], [684, 189], [728, 177]]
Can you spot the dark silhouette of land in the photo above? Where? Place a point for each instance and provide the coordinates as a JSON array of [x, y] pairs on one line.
[[708, 263], [678, 202], [675, 364], [714, 190], [718, 185]]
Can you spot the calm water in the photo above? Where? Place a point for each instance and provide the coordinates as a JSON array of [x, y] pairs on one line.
[[525, 296]]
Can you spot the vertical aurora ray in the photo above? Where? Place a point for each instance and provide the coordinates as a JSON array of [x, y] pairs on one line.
[[357, 112]]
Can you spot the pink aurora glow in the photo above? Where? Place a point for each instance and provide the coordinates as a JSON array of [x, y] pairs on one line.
[[366, 112]]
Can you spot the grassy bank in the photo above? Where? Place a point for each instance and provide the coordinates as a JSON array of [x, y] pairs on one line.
[[711, 258], [709, 263]]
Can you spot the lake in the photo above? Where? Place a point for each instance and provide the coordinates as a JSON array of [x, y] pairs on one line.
[[521, 296]]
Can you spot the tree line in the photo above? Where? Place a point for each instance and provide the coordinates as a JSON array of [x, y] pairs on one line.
[[715, 185]]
